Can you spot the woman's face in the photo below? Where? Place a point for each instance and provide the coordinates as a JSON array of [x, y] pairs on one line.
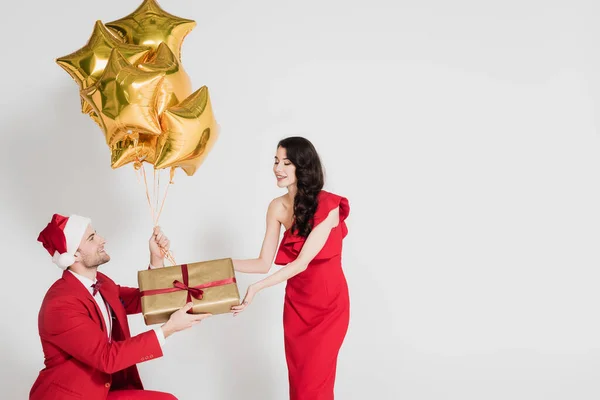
[[284, 170]]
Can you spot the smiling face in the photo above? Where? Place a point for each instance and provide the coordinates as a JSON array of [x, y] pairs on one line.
[[284, 170], [91, 251]]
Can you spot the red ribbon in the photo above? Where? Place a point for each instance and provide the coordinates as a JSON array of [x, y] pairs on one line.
[[192, 291]]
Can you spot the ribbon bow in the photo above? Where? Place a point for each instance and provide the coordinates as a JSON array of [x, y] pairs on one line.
[[194, 291]]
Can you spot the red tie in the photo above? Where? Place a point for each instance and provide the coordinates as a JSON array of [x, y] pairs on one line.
[[96, 287]]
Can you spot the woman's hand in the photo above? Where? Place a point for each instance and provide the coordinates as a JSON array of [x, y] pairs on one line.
[[250, 293]]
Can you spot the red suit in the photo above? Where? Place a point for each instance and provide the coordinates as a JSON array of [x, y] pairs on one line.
[[80, 360], [317, 309]]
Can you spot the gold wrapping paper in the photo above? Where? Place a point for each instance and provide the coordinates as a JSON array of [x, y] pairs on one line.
[[157, 308]]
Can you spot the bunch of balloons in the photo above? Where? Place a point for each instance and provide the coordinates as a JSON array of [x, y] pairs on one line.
[[132, 84]]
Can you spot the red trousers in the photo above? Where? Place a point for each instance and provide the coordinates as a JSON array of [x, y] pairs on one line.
[[139, 395]]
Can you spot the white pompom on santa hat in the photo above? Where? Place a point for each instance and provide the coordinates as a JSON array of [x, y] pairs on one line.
[[61, 237]]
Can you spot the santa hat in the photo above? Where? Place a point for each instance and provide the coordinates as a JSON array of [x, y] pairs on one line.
[[61, 237]]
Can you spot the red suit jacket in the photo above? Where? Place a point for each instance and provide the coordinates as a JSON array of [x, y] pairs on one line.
[[80, 361]]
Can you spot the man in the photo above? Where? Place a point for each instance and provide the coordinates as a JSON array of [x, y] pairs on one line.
[[89, 352]]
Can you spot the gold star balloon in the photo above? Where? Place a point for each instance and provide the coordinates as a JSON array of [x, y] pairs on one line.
[[87, 64], [176, 86], [150, 25], [125, 98], [133, 85], [190, 132]]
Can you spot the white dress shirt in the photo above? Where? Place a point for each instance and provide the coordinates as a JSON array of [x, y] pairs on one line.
[[106, 311]]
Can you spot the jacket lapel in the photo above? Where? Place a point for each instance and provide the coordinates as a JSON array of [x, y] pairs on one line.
[[83, 293], [110, 292]]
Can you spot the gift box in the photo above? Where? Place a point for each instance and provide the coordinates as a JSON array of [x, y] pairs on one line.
[[210, 285]]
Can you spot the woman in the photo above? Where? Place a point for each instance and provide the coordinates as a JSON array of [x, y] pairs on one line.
[[316, 310]]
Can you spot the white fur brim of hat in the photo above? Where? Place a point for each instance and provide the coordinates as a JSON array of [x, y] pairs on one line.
[[74, 231]]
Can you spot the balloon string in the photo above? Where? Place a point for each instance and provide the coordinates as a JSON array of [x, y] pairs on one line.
[[166, 253], [163, 201], [156, 186], [156, 217], [147, 193]]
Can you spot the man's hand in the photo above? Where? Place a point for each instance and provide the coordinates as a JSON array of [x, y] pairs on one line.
[[181, 320], [159, 246]]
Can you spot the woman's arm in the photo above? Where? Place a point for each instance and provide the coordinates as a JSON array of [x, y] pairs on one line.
[[262, 264], [313, 245]]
